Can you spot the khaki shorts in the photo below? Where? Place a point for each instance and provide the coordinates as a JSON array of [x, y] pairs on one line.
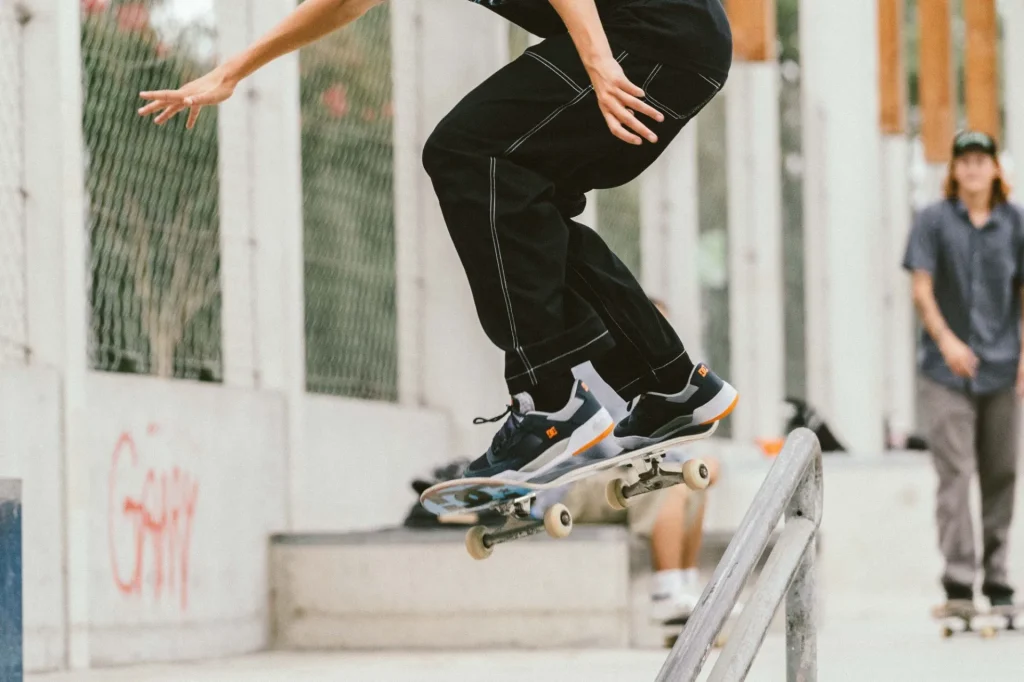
[[586, 501]]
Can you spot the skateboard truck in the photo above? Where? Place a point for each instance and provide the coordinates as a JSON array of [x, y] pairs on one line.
[[652, 477], [480, 540]]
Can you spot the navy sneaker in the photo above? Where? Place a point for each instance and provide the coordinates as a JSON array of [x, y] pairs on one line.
[[655, 418], [530, 443]]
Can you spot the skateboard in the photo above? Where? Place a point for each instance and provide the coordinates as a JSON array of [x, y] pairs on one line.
[[513, 499], [963, 616], [674, 628]]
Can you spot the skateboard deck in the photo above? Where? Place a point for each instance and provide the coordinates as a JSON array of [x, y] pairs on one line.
[[964, 616], [513, 499]]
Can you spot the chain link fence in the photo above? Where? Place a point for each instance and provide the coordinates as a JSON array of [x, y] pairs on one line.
[[348, 195], [152, 194], [13, 314]]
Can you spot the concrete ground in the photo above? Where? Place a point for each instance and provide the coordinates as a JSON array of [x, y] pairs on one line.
[[875, 652]]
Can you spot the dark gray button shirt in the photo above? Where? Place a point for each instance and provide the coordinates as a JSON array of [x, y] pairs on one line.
[[977, 275]]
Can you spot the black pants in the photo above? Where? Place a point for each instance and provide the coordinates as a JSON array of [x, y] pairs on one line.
[[510, 165]]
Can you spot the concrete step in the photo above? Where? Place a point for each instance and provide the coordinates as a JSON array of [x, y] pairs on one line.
[[419, 589]]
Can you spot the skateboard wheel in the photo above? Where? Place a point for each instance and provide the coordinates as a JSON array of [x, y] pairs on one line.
[[475, 543], [696, 474], [558, 521], [613, 494], [947, 632], [988, 632]]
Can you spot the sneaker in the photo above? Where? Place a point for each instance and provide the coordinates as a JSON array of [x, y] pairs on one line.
[[655, 418], [531, 443], [674, 608], [998, 595]]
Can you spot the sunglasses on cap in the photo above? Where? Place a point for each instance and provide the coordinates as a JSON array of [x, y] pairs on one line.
[[973, 141]]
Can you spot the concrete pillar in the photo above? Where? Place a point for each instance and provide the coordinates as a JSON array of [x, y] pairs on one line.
[[55, 253], [756, 283], [277, 227], [842, 217], [237, 238], [262, 272], [670, 237], [1013, 70], [897, 218], [756, 316], [453, 365]]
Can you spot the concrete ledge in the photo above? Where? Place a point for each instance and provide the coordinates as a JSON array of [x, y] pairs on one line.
[[410, 589]]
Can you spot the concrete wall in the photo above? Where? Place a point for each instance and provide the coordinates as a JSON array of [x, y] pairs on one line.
[[30, 449], [360, 459], [186, 483]]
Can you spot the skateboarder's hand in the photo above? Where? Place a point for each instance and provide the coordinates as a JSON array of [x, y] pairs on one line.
[[619, 99], [213, 88], [959, 356], [1020, 380]]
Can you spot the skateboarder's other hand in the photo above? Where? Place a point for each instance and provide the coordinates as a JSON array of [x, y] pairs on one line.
[[619, 99], [213, 88], [959, 356]]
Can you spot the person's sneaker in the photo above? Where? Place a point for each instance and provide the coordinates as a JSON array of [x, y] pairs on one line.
[[530, 443], [655, 418], [999, 596], [673, 609]]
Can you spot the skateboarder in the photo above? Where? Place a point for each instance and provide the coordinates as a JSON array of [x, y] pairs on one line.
[[966, 254], [590, 107]]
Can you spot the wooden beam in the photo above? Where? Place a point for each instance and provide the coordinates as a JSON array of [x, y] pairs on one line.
[[982, 71], [936, 79], [892, 80], [753, 29]]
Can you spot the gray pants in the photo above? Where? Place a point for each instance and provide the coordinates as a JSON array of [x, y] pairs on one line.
[[968, 434]]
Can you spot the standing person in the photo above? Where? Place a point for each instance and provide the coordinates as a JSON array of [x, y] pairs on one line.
[[966, 254], [510, 165]]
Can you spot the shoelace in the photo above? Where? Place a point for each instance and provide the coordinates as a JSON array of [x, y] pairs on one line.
[[506, 429], [483, 420]]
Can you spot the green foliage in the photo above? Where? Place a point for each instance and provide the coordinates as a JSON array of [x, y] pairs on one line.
[[348, 196], [152, 207]]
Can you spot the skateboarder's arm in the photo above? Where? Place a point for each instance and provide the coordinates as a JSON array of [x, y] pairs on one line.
[[958, 355], [310, 21], [616, 95]]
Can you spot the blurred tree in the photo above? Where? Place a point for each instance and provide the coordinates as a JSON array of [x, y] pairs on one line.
[[152, 204]]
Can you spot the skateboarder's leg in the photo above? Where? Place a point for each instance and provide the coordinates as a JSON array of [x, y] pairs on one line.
[[998, 427], [950, 419]]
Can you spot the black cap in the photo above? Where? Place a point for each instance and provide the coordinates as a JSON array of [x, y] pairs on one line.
[[973, 141]]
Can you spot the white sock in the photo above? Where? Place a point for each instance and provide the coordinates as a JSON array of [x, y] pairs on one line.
[[667, 583], [691, 578]]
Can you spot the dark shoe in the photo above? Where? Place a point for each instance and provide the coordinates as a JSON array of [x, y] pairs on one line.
[[957, 592], [655, 418], [531, 442], [998, 595]]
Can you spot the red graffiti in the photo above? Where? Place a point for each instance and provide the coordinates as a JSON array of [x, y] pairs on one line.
[[149, 509]]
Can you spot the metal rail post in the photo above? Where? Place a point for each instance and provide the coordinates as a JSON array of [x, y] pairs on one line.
[[793, 486]]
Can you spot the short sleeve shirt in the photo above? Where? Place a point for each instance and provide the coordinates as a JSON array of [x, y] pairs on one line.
[[977, 277], [681, 33]]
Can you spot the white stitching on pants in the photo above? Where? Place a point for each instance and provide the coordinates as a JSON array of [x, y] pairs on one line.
[[583, 93], [567, 353], [654, 72], [609, 312], [718, 86], [501, 271], [518, 143], [554, 68]]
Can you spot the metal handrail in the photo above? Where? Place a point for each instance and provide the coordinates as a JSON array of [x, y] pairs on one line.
[[793, 486]]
